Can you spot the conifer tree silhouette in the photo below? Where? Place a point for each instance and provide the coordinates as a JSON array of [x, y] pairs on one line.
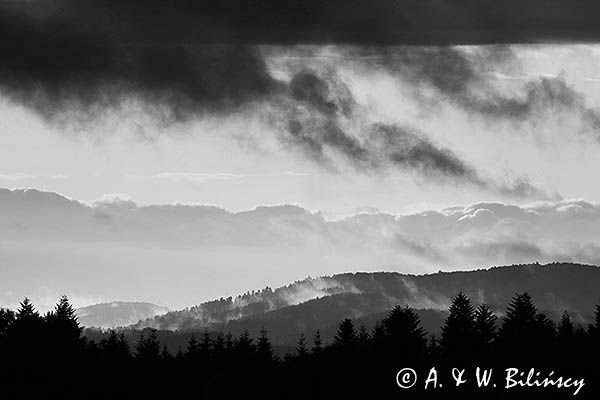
[[124, 346], [192, 351], [566, 330], [485, 325], [433, 348], [346, 334], [525, 333], [180, 355], [544, 332], [404, 335], [398, 339], [219, 346], [459, 331], [27, 314], [519, 324], [317, 348], [25, 331], [229, 343], [378, 336], [165, 355], [148, 347], [115, 349], [205, 345], [565, 338], [264, 349], [64, 331], [301, 348], [244, 348], [363, 336]]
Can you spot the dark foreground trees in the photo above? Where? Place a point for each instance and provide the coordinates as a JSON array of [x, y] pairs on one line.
[[45, 356]]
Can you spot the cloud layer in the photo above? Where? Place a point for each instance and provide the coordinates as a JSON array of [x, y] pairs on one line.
[[480, 234], [185, 254]]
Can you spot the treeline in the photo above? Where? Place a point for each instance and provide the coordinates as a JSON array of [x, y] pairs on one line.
[[46, 355]]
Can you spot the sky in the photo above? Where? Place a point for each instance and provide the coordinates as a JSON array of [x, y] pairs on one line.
[[106, 118], [184, 162]]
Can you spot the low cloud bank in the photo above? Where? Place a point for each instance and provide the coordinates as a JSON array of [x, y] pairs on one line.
[[480, 234]]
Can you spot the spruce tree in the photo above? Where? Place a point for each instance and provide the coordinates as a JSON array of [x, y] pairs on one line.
[[363, 336], [301, 349], [219, 346], [115, 348], [433, 348], [404, 335], [525, 333], [123, 346], [485, 325], [165, 355], [264, 350], [317, 343], [180, 355], [205, 345], [565, 337], [244, 348], [566, 330], [378, 335], [148, 347], [63, 329], [27, 313], [519, 324], [459, 331], [229, 343], [346, 334], [192, 351], [25, 331]]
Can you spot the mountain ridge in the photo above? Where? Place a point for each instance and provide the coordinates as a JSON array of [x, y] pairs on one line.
[[117, 313], [313, 303]]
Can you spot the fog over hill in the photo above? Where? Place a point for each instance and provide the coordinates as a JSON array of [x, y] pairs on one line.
[[319, 303], [117, 313]]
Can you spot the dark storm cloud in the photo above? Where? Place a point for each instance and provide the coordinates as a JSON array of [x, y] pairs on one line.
[[183, 57], [315, 115], [422, 22], [323, 117], [62, 57], [467, 78], [411, 150], [541, 96], [319, 115], [75, 60]]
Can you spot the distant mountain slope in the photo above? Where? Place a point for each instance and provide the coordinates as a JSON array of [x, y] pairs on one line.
[[117, 313], [284, 325], [319, 302]]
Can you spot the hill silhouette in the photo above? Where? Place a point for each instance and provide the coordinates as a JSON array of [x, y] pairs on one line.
[[317, 303], [117, 313]]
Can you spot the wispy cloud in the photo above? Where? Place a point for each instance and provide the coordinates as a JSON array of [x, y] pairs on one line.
[[202, 177], [15, 176]]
